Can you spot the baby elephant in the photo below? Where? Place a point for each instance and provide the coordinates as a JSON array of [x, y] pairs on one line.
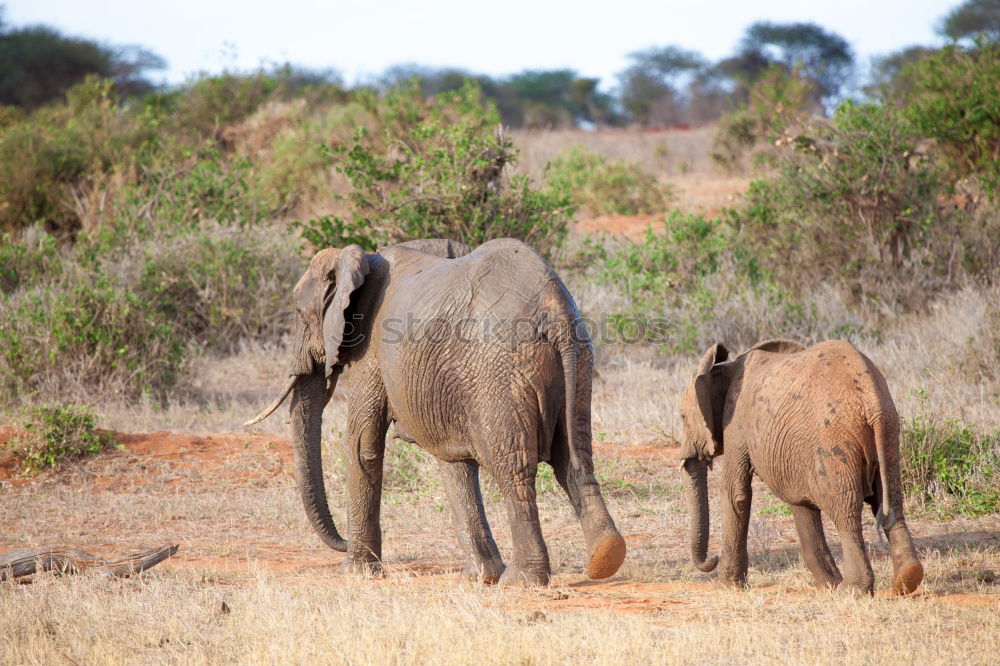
[[818, 426]]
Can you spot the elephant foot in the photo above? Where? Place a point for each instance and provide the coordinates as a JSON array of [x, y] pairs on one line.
[[488, 571], [851, 590], [513, 576], [361, 568], [738, 580], [908, 578], [606, 558]]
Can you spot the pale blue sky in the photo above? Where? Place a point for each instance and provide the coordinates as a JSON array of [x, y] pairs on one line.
[[362, 38]]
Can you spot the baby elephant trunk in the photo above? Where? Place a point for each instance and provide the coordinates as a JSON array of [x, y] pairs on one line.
[[697, 493]]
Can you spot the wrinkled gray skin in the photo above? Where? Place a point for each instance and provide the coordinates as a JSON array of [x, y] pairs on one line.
[[408, 321], [818, 426]]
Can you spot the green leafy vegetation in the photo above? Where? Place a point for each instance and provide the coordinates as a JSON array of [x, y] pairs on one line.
[[89, 333], [891, 201], [437, 169], [597, 186], [950, 467], [54, 432]]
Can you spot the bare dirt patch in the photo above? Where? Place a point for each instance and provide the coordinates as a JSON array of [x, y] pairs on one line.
[[206, 492]]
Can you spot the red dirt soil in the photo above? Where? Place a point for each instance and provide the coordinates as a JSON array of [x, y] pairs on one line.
[[693, 194], [210, 454]]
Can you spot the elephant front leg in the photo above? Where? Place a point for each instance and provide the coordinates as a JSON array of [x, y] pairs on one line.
[[461, 479], [815, 551], [530, 563], [737, 496], [367, 427]]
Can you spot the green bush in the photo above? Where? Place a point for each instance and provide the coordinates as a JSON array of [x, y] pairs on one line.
[[695, 282], [778, 100], [598, 187], [179, 190], [46, 156], [221, 284], [54, 432], [955, 100], [882, 199], [84, 334], [26, 259], [210, 104], [436, 168], [857, 202], [950, 467]]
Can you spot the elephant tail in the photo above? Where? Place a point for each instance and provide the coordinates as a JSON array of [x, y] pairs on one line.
[[885, 517], [567, 353]]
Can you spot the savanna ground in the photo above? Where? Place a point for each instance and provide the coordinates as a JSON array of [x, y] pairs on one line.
[[252, 584]]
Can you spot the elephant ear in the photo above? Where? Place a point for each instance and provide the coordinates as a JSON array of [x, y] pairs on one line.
[[778, 346], [345, 275], [439, 247], [707, 393]]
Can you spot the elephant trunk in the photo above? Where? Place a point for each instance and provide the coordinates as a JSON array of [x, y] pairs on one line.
[[697, 493], [308, 400]]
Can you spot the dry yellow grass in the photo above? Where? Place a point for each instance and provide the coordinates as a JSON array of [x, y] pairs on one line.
[[252, 583], [245, 543]]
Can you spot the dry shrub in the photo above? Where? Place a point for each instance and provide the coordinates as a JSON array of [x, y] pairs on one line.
[[222, 284], [81, 335]]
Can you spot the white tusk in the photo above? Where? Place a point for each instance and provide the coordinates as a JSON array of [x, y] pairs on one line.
[[274, 405]]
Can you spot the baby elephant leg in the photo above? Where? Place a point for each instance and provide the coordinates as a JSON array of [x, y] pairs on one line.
[[815, 551], [858, 575]]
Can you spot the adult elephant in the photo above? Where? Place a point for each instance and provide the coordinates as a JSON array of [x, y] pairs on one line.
[[478, 357]]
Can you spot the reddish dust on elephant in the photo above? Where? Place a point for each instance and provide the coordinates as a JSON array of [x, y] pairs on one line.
[[819, 428]]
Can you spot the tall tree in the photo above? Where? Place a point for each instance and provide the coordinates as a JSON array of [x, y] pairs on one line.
[[37, 64], [825, 57], [650, 89], [971, 19]]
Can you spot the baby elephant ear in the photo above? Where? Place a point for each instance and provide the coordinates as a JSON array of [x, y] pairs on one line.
[[705, 393], [346, 275], [779, 346]]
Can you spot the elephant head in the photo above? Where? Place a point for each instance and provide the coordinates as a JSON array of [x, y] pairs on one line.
[[326, 336], [702, 407], [333, 303], [701, 416]]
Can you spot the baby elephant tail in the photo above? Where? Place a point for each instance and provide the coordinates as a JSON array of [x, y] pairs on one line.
[[907, 570], [885, 517]]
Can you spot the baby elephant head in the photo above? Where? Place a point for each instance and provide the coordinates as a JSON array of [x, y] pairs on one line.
[[701, 406], [701, 414]]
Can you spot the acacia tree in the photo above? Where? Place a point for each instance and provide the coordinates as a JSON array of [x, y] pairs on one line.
[[823, 56], [971, 19], [650, 89], [38, 64]]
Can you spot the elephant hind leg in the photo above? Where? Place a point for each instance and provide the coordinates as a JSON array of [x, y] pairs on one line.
[[516, 478], [907, 570], [605, 545], [469, 518], [858, 575], [815, 551]]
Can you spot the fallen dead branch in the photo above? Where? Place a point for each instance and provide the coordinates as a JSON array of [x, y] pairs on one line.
[[67, 560]]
